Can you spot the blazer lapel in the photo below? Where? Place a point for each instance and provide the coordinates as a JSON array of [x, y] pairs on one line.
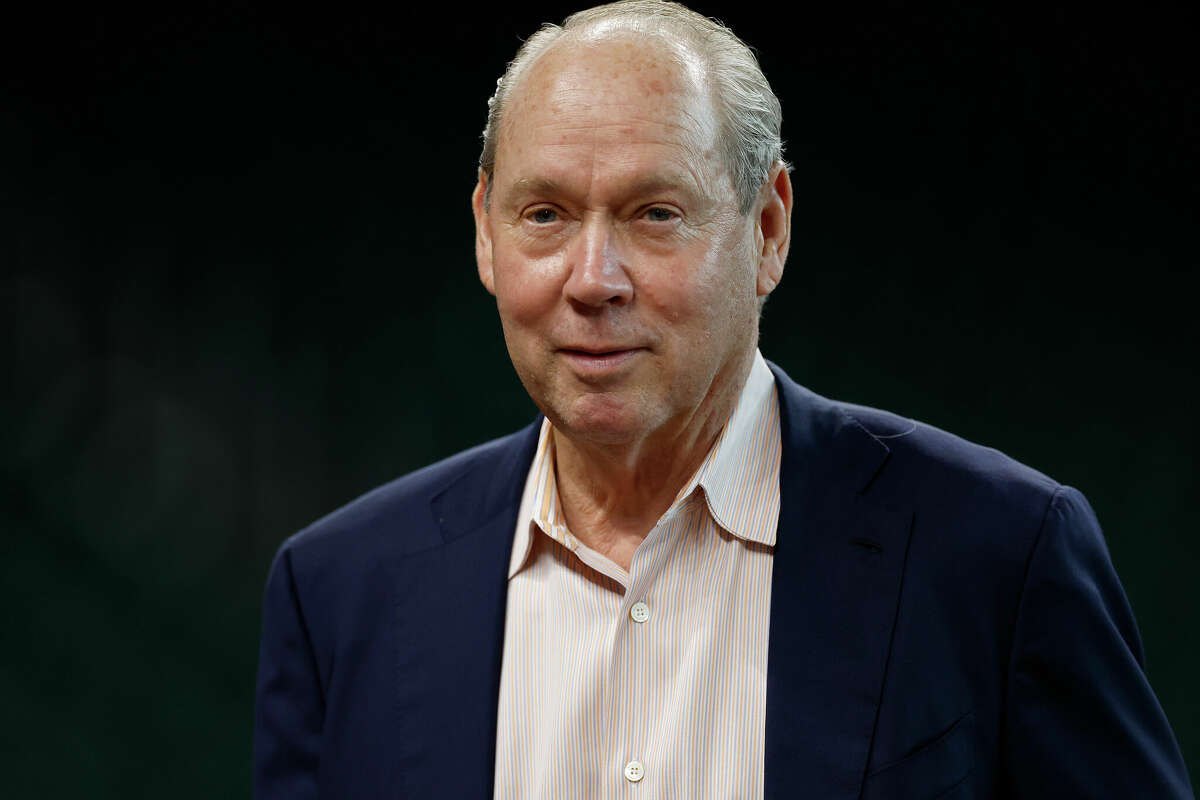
[[835, 588], [449, 620]]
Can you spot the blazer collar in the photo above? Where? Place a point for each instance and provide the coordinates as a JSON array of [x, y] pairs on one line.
[[491, 485], [835, 589], [449, 623]]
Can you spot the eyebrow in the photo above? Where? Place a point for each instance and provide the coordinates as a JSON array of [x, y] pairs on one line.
[[539, 186], [652, 184]]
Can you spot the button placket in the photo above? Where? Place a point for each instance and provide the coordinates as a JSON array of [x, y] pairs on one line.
[[645, 570]]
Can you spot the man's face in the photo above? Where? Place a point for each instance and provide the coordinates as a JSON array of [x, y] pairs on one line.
[[625, 276]]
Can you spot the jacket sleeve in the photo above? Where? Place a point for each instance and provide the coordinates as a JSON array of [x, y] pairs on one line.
[[289, 702], [1081, 719]]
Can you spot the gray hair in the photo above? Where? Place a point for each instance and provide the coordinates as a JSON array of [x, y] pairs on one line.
[[748, 111]]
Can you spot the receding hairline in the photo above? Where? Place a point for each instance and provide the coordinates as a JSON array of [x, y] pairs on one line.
[[679, 51]]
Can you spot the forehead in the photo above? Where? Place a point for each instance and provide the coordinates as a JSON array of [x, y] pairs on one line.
[[614, 96], [613, 55]]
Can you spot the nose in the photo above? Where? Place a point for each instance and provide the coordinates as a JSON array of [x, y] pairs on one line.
[[597, 273]]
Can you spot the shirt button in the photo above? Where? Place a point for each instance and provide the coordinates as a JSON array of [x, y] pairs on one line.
[[634, 771], [639, 613]]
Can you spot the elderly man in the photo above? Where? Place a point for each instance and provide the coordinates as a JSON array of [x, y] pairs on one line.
[[691, 578]]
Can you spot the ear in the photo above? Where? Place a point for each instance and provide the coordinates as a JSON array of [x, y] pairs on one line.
[[773, 228], [483, 235]]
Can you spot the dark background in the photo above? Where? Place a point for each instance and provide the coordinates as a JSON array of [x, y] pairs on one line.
[[239, 289]]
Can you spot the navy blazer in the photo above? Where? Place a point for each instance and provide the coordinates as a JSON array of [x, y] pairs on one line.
[[945, 623]]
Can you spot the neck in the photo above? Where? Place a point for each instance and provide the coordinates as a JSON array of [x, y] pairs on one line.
[[613, 495]]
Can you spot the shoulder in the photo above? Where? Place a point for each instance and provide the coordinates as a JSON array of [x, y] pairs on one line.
[[973, 506], [404, 516], [927, 461], [974, 495], [920, 458]]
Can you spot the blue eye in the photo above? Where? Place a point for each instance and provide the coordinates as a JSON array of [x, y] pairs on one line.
[[660, 214], [543, 216]]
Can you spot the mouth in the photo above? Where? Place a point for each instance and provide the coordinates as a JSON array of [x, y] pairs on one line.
[[598, 361]]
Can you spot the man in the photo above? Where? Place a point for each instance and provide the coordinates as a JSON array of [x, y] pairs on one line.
[[692, 578]]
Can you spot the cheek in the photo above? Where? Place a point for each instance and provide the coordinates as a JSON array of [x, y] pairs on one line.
[[724, 300], [720, 276], [525, 290]]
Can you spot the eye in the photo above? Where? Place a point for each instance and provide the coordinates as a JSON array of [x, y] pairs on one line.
[[659, 214], [543, 216]]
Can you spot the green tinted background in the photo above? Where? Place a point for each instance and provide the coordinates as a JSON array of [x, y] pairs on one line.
[[239, 290]]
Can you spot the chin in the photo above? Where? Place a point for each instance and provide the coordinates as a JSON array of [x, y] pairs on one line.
[[601, 419]]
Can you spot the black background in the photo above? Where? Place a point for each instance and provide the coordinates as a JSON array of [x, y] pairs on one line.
[[239, 289]]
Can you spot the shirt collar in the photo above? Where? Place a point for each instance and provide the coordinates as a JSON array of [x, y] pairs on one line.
[[539, 503], [739, 477]]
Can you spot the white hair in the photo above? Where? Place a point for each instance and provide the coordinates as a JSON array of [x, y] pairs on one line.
[[747, 110]]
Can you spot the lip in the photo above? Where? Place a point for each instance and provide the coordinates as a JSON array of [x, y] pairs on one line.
[[597, 362]]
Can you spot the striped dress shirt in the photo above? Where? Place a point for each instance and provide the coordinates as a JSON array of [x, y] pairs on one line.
[[650, 682]]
